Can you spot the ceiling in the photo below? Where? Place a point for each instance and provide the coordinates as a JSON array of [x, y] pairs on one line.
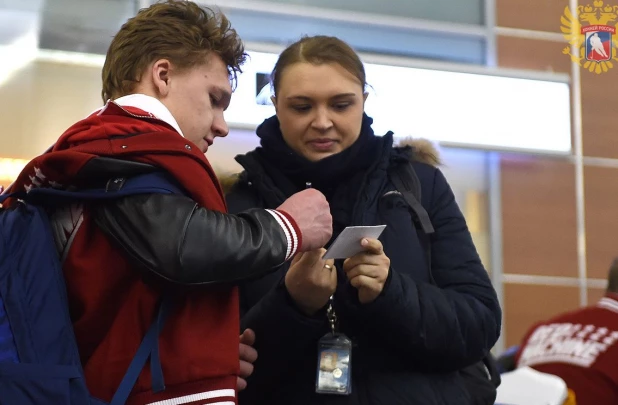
[[88, 26], [68, 25]]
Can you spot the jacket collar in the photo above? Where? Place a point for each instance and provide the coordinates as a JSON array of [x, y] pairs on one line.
[[609, 302], [612, 296], [147, 104]]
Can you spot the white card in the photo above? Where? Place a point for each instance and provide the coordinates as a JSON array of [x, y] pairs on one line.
[[348, 242]]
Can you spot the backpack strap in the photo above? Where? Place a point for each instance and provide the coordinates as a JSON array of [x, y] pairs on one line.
[[406, 181], [148, 348], [150, 183]]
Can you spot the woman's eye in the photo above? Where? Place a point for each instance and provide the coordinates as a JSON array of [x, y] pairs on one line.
[[341, 106], [301, 108]]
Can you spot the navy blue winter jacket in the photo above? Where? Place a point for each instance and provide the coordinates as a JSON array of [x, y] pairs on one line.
[[408, 343]]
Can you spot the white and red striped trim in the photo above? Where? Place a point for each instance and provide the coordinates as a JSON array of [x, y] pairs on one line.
[[297, 235], [609, 304], [199, 398], [290, 231]]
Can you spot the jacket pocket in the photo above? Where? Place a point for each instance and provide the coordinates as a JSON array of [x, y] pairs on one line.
[[33, 384]]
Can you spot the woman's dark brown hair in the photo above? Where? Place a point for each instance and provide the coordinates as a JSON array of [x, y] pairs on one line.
[[319, 50]]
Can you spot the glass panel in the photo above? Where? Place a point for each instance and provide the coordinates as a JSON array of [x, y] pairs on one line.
[[273, 28], [68, 25], [463, 11], [466, 171]]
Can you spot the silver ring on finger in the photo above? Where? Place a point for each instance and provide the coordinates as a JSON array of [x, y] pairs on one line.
[[328, 266]]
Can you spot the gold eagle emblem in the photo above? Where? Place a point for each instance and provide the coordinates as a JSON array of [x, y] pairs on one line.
[[591, 32]]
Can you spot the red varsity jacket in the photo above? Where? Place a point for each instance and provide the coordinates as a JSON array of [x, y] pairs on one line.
[[110, 305]]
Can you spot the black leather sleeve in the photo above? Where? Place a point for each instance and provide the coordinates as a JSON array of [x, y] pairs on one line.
[[182, 243]]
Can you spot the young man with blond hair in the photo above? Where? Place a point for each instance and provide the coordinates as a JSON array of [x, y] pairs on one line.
[[167, 80]]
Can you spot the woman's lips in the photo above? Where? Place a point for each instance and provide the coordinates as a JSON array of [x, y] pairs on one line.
[[322, 144]]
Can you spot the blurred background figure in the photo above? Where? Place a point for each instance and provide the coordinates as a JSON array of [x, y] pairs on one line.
[[579, 347]]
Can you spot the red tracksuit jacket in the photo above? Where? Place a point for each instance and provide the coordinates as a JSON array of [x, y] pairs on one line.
[[581, 348]]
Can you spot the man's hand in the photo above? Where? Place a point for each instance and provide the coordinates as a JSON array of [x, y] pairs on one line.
[[311, 212], [247, 355], [368, 270]]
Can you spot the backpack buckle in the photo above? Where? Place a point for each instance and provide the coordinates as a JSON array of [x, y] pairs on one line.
[[115, 184]]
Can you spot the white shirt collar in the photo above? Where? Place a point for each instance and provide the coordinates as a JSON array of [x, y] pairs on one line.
[[151, 105]]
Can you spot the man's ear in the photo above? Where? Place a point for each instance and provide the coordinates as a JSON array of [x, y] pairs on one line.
[[161, 70], [274, 100]]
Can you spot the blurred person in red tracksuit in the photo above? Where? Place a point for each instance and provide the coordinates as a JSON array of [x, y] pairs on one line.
[[580, 347]]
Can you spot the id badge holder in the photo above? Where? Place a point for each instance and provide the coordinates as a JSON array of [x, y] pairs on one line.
[[334, 373]]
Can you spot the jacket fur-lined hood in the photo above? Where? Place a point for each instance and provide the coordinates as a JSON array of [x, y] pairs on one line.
[[423, 151]]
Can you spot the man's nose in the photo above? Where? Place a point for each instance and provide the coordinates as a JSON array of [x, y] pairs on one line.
[[219, 126]]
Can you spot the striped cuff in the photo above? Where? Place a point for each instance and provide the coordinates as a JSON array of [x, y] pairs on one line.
[[291, 231]]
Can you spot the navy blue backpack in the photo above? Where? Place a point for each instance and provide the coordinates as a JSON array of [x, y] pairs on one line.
[[39, 359]]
